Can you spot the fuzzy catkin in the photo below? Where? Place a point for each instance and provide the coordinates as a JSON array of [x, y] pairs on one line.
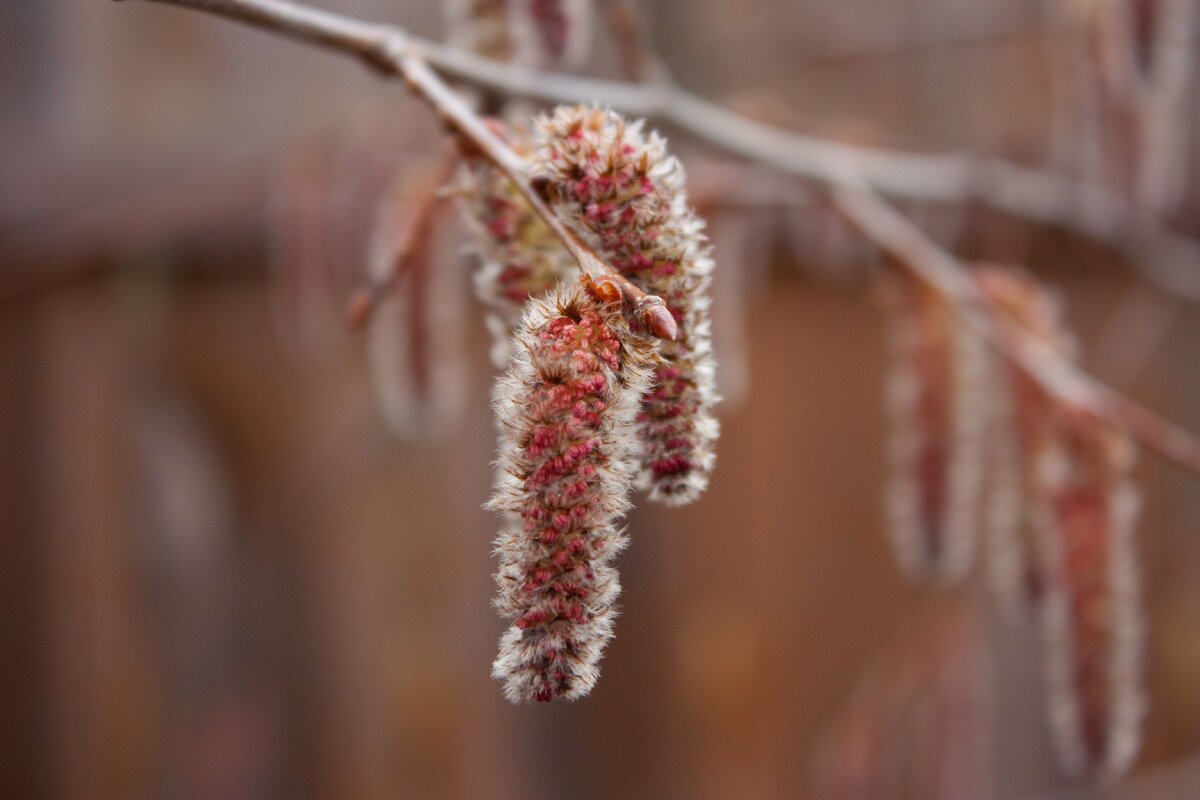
[[938, 409], [567, 408], [1020, 427], [1010, 578], [519, 256], [618, 189], [1091, 614], [1079, 552]]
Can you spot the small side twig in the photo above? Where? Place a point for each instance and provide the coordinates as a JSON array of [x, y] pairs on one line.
[[417, 226]]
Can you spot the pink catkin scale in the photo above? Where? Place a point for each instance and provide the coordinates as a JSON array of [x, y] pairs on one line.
[[567, 408], [617, 188]]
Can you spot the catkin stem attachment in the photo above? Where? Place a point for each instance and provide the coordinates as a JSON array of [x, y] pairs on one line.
[[519, 256]]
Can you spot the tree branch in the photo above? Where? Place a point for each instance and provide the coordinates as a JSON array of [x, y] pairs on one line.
[[855, 175], [1061, 378], [1166, 258]]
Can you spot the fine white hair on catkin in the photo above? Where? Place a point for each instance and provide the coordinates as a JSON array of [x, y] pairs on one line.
[[567, 408]]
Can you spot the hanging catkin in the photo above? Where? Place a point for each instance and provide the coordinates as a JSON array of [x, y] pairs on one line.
[[937, 410], [620, 191], [1082, 510], [567, 409]]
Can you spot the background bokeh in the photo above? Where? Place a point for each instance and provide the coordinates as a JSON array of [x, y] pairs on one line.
[[222, 575]]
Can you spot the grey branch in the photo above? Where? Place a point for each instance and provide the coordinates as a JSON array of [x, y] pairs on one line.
[[1166, 258], [856, 175]]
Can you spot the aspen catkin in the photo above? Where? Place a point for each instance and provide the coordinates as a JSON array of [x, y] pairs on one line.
[[567, 409], [936, 402], [1083, 508], [619, 190]]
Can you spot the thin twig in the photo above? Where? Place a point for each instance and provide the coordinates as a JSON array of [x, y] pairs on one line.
[[1061, 378], [1165, 257], [418, 225], [853, 173]]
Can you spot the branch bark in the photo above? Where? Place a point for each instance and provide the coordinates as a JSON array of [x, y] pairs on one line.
[[855, 174], [1166, 258]]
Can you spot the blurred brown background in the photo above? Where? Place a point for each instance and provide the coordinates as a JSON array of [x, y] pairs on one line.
[[221, 576]]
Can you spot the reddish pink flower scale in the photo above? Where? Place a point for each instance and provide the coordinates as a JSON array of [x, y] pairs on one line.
[[673, 465], [639, 262], [668, 372], [531, 618], [543, 437], [549, 472], [500, 227], [671, 410], [585, 415]]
